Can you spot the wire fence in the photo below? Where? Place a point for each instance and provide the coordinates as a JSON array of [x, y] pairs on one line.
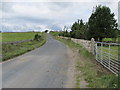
[[108, 55]]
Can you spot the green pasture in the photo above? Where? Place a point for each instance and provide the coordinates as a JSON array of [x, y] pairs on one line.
[[113, 50], [17, 36], [12, 50], [111, 39], [55, 33]]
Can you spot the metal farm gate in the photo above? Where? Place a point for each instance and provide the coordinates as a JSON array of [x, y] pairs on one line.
[[108, 55]]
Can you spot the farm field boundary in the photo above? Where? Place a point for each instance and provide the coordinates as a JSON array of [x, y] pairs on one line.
[[11, 50], [94, 74], [105, 53], [17, 41]]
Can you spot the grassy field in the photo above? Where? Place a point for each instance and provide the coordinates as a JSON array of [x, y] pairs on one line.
[[113, 50], [96, 75], [10, 51], [111, 39], [11, 37], [55, 33]]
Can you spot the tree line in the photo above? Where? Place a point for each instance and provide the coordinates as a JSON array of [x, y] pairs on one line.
[[101, 24]]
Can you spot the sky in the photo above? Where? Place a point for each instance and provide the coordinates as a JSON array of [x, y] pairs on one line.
[[119, 15], [39, 15]]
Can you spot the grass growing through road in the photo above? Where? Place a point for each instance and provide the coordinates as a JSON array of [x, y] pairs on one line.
[[10, 51], [96, 75]]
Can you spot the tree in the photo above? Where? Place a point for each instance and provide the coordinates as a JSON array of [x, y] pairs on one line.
[[102, 23], [65, 32], [46, 31], [78, 29], [37, 37]]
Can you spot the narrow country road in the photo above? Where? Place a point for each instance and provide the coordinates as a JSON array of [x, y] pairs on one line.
[[44, 67]]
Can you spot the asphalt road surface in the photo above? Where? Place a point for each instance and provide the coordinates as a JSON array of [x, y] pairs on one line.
[[44, 67]]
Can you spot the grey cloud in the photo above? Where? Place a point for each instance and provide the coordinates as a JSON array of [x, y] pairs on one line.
[[75, 11], [6, 7], [119, 15], [54, 27]]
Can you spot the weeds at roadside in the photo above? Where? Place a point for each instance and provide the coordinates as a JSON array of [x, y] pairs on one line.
[[96, 75]]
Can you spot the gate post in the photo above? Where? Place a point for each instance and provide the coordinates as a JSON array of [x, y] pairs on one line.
[[101, 53], [92, 45], [96, 51], [109, 56]]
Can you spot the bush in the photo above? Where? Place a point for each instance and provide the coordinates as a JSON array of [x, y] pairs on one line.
[[37, 37]]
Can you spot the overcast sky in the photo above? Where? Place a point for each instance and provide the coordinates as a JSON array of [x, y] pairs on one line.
[[29, 15]]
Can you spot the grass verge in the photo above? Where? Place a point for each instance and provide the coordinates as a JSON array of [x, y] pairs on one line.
[[9, 51], [96, 75]]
